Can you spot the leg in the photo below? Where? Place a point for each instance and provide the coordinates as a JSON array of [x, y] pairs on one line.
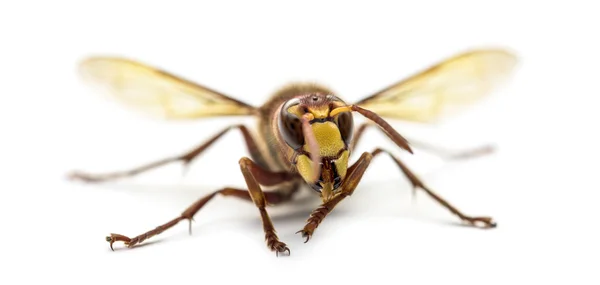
[[444, 153], [456, 154], [253, 175], [355, 173], [186, 158], [417, 183], [358, 133]]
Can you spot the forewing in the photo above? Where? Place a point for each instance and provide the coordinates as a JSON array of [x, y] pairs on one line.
[[157, 92], [444, 88]]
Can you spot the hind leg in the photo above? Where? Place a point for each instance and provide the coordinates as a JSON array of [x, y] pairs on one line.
[[186, 158], [435, 149]]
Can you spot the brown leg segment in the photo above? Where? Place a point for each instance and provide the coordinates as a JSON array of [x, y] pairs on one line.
[[417, 183], [358, 134], [439, 151], [186, 158], [253, 175], [355, 173], [454, 154]]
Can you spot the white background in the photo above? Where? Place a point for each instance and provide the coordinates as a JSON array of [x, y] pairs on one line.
[[540, 186]]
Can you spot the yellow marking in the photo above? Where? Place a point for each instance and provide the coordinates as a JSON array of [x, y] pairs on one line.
[[340, 110], [328, 138], [320, 112], [304, 166], [326, 191], [296, 111], [341, 164]]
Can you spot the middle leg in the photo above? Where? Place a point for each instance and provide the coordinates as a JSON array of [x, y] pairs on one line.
[[254, 176], [487, 222]]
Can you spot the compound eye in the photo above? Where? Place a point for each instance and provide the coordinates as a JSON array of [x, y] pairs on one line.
[[290, 127], [345, 124]]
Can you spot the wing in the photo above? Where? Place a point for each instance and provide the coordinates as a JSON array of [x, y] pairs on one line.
[[157, 92], [444, 88]]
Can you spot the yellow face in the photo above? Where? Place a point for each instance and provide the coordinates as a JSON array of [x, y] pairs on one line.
[[331, 146], [332, 135]]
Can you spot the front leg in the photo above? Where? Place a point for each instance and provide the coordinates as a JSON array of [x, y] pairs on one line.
[[355, 174]]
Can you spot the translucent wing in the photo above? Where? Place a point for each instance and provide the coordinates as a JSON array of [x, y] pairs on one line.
[[157, 92], [444, 88]]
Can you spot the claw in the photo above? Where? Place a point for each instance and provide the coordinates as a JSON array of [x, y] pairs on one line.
[[305, 235], [479, 151], [111, 241], [76, 175], [487, 221], [82, 176], [117, 237], [279, 247], [190, 220], [282, 251]]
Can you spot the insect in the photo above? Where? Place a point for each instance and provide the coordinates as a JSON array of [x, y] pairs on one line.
[[305, 132]]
